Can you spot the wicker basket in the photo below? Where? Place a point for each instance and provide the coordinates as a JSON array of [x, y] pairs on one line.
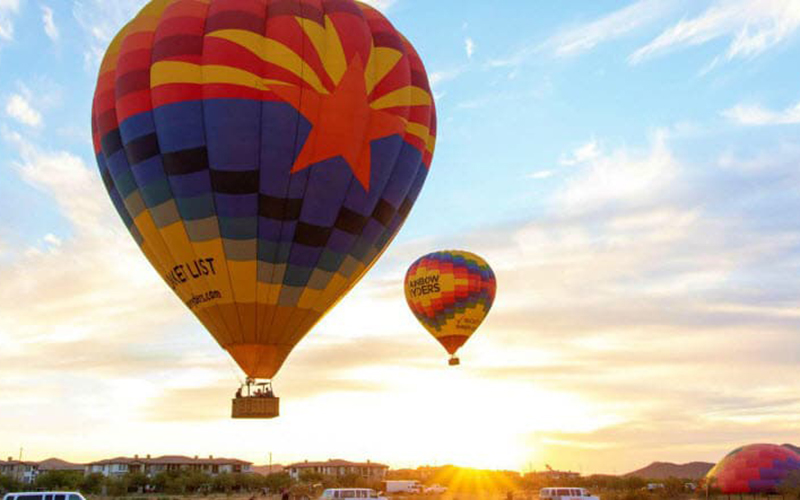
[[255, 408]]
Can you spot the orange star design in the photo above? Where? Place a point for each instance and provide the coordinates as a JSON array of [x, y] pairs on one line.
[[343, 122]]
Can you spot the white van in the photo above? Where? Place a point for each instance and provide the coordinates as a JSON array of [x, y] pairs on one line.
[[349, 493], [44, 495], [565, 494]]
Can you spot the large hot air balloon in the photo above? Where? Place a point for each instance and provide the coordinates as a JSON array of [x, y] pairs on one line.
[[263, 154], [757, 468], [450, 293]]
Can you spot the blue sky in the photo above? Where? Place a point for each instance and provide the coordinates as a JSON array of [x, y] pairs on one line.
[[628, 167]]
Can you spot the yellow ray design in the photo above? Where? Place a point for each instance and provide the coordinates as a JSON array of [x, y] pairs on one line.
[[166, 72], [274, 52], [406, 96], [328, 45], [381, 61]]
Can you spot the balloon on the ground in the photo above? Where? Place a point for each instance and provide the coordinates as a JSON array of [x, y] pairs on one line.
[[757, 468], [263, 154], [450, 293]]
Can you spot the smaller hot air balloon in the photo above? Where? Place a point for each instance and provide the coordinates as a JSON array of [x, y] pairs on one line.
[[450, 293]]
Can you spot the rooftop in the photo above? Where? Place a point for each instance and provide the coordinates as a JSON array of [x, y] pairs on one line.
[[338, 463], [171, 460]]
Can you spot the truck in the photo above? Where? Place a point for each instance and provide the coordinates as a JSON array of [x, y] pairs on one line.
[[411, 486]]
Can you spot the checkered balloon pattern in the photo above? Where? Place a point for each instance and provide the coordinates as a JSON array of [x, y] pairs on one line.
[[757, 468], [450, 293]]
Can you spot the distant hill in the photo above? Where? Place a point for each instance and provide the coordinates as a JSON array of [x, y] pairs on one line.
[[264, 470], [58, 464], [664, 470]]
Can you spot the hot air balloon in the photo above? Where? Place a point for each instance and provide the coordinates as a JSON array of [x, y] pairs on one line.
[[263, 154], [757, 468], [450, 293]]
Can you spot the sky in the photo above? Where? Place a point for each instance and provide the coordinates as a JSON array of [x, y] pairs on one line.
[[629, 169]]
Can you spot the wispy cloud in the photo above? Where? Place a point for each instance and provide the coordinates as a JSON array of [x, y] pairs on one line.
[[50, 28], [586, 152], [755, 115], [623, 177], [469, 47], [542, 174], [585, 37], [19, 108], [753, 26], [100, 21], [7, 9], [579, 39]]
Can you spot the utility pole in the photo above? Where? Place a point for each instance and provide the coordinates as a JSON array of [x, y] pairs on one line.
[[270, 463], [20, 453]]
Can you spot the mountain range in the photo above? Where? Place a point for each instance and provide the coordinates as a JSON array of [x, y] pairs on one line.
[[692, 470]]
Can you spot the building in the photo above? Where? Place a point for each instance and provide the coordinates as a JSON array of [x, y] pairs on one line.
[[368, 470], [24, 472], [152, 466]]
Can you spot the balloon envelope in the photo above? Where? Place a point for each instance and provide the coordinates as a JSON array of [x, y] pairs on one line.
[[263, 154], [450, 293], [757, 468]]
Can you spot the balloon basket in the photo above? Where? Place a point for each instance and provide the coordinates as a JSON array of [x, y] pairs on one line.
[[454, 361], [255, 408]]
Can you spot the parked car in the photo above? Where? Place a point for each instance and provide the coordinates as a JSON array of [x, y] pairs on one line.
[[566, 494], [349, 493], [435, 489], [44, 495]]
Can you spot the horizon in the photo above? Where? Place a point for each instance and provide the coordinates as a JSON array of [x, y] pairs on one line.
[[628, 168], [286, 465]]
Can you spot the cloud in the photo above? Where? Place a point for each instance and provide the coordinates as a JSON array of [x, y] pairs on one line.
[[583, 154], [542, 174], [469, 47], [582, 38], [50, 28], [19, 108], [656, 296], [7, 9], [623, 177], [439, 77], [753, 27], [755, 115]]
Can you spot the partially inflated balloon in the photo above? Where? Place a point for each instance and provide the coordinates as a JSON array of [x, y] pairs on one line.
[[450, 293], [263, 154], [757, 468]]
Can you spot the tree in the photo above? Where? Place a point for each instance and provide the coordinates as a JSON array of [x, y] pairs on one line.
[[9, 484], [223, 483], [277, 482], [311, 477], [91, 484], [137, 481], [56, 480], [116, 486]]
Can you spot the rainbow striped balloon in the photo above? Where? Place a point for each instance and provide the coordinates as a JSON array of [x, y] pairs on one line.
[[450, 293], [263, 154]]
